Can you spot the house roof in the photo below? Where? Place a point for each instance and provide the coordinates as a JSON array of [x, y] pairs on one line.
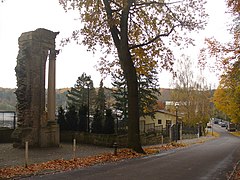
[[166, 112]]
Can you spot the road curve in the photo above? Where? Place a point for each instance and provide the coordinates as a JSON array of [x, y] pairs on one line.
[[211, 160]]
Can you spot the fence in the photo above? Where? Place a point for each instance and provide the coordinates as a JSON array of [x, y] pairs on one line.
[[8, 119], [151, 127], [186, 130]]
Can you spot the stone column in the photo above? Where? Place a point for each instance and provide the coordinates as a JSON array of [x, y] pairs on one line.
[[50, 132], [51, 101]]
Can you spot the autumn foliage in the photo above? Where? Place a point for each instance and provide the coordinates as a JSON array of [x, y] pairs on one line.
[[235, 5], [140, 35], [227, 95]]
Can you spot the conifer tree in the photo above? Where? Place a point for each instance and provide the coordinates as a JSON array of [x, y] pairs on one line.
[[78, 95], [82, 115], [71, 118], [61, 118], [109, 122], [97, 122], [120, 94], [101, 99], [148, 93]]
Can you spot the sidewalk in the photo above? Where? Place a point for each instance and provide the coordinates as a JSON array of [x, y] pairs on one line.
[[10, 156]]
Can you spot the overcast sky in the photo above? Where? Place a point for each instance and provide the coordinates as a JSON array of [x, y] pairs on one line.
[[18, 16]]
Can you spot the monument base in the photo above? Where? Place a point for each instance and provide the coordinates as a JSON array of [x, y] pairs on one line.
[[20, 136], [49, 135]]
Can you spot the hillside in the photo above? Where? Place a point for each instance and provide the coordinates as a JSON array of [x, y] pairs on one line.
[[8, 97]]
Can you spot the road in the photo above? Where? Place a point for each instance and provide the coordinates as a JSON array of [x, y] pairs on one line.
[[206, 161]]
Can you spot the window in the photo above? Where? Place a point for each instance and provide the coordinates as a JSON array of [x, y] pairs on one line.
[[159, 121]]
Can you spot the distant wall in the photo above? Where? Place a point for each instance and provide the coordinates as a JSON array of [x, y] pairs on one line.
[[189, 136], [87, 138], [97, 139], [107, 140], [5, 135]]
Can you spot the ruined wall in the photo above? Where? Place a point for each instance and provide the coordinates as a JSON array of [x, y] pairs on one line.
[[34, 49]]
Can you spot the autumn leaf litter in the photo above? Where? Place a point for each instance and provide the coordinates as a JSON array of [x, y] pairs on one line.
[[59, 165]]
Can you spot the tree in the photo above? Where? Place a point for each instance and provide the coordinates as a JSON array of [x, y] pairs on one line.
[[192, 94], [234, 5], [82, 115], [109, 122], [101, 99], [136, 29], [61, 118], [97, 122], [61, 97], [78, 95], [226, 97], [148, 93], [120, 95], [71, 118], [184, 88], [203, 98]]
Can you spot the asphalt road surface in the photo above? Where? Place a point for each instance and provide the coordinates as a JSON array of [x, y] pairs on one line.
[[207, 161]]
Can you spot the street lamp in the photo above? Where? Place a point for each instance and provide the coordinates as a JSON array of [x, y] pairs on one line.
[[88, 101], [176, 132]]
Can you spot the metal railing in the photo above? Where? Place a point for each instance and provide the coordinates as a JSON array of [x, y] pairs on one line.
[[8, 119], [151, 127]]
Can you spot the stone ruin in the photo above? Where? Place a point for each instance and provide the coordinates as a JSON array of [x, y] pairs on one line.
[[36, 121]]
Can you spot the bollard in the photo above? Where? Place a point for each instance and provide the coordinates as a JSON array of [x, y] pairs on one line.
[[115, 146], [212, 128], [162, 139], [74, 148], [26, 154]]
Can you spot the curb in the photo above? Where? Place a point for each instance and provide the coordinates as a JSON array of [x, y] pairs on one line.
[[231, 177]]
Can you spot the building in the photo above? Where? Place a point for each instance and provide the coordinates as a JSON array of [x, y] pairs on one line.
[[159, 122]]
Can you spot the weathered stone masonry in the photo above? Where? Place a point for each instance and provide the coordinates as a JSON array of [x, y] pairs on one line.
[[36, 124]]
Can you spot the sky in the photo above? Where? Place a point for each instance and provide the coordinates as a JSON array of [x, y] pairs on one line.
[[18, 16]]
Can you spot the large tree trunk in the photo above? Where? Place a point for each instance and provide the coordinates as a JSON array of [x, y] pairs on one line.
[[129, 71], [120, 39], [133, 100], [133, 108]]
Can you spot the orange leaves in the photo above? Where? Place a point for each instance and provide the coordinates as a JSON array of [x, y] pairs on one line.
[[65, 165], [235, 5], [143, 63], [226, 98], [157, 149], [227, 56]]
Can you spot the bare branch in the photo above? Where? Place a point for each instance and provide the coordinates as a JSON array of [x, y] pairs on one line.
[[155, 38], [154, 2]]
